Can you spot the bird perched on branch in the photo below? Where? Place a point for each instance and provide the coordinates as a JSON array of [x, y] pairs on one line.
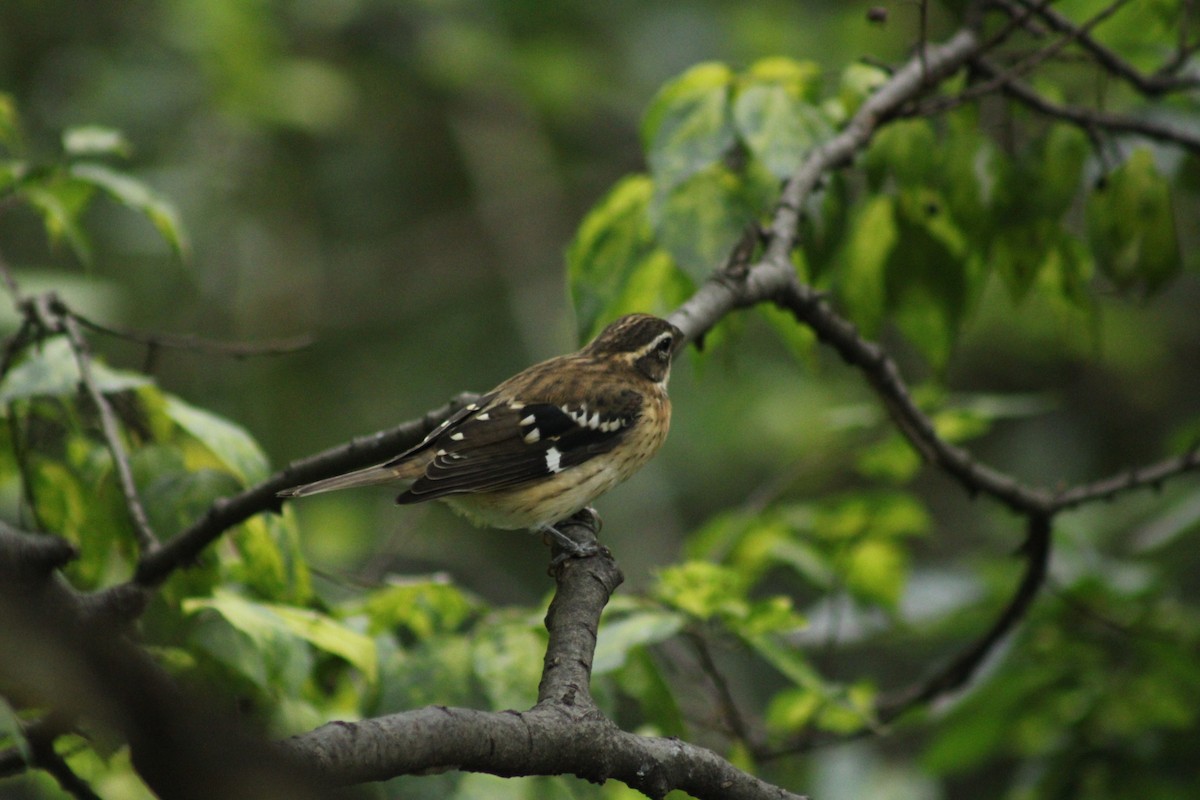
[[546, 442]]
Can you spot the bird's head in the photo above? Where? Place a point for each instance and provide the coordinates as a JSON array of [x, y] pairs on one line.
[[644, 341]]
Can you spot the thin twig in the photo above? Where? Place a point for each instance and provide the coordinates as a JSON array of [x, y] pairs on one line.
[[1019, 69], [732, 716], [1152, 476], [237, 350], [1091, 120], [49, 311], [959, 672], [46, 758], [1153, 85]]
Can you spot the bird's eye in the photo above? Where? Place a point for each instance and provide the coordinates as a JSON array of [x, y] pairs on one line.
[[665, 345]]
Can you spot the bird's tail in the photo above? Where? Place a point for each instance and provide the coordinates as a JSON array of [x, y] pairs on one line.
[[363, 477]]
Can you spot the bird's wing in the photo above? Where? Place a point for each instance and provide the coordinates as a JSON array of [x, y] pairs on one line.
[[506, 443]]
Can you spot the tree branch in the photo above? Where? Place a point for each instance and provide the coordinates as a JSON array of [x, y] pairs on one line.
[[565, 733], [184, 547], [1155, 85], [959, 672], [59, 654], [1092, 119]]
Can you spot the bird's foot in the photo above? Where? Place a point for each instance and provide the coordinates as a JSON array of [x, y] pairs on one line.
[[564, 546]]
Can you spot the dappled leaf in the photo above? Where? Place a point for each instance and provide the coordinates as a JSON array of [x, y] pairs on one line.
[[61, 203], [51, 370], [688, 126], [699, 220], [776, 115], [137, 196], [616, 638], [861, 278], [10, 123], [423, 607], [702, 590], [614, 265], [506, 655], [235, 448], [1131, 226]]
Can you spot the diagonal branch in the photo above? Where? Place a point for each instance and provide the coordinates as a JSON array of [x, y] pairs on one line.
[[46, 312], [1151, 476], [1025, 65], [237, 350], [1153, 85], [959, 672], [182, 549], [1092, 119]]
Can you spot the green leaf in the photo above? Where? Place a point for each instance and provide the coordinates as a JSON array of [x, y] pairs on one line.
[[903, 150], [878, 515], [617, 638], [892, 459], [861, 279], [799, 339], [136, 195], [614, 265], [859, 81], [277, 631], [689, 126], [230, 443], [928, 274], [270, 562], [331, 636], [12, 732], [10, 124], [506, 655], [642, 679], [789, 662], [52, 371], [699, 220], [877, 571], [775, 114], [425, 607], [791, 710], [1131, 226], [703, 590], [95, 140], [252, 641], [61, 204]]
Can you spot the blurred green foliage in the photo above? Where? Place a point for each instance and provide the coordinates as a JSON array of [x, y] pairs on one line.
[[401, 179]]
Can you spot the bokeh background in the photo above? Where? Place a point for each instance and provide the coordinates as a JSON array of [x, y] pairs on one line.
[[398, 180]]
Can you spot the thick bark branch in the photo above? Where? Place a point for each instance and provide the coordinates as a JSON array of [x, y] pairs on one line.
[[565, 733]]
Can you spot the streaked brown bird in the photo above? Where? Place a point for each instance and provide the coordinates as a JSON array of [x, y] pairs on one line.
[[546, 442]]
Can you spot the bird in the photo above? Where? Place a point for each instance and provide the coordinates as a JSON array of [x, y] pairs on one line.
[[545, 443]]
